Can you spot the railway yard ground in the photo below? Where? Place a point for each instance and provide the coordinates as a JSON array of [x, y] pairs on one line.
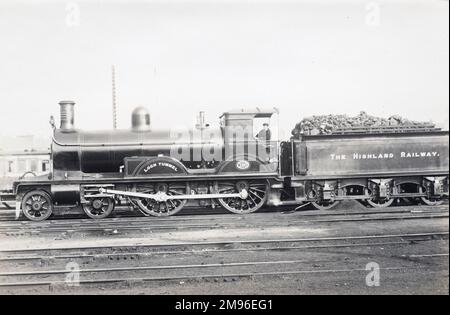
[[348, 250]]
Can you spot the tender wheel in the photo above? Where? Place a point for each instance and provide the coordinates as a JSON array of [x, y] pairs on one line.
[[257, 195], [376, 201], [380, 202], [37, 205], [99, 208], [325, 204], [432, 202], [319, 203], [161, 209]]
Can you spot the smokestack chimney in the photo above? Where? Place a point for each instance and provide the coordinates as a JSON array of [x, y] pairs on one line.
[[67, 115]]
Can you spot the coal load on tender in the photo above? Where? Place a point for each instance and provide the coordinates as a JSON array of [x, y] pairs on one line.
[[328, 124]]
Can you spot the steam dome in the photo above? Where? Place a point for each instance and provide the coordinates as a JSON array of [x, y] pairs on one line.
[[140, 119]]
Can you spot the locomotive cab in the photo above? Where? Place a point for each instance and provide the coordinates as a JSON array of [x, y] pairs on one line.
[[240, 130]]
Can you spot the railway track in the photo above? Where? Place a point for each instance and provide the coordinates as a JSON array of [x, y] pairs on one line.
[[214, 221], [402, 240], [227, 260], [124, 211]]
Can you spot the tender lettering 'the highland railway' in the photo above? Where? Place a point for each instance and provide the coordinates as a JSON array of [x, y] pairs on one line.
[[368, 156]]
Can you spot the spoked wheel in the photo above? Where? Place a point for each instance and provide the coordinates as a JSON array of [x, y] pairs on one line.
[[257, 195], [380, 202], [37, 205], [165, 208], [99, 208], [432, 201], [325, 204]]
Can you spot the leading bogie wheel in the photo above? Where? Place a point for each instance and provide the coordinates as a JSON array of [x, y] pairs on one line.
[[99, 208], [37, 205]]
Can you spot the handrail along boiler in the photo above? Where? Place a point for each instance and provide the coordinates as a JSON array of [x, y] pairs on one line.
[[160, 171]]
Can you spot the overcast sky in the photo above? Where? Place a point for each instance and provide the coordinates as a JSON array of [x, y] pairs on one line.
[[179, 57]]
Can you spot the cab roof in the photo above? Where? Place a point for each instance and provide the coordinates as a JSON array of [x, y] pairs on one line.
[[256, 112]]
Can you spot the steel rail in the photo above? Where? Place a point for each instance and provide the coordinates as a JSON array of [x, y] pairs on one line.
[[205, 276], [144, 226], [234, 217], [228, 242], [212, 250]]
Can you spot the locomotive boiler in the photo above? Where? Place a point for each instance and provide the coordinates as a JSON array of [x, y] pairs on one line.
[[159, 172]]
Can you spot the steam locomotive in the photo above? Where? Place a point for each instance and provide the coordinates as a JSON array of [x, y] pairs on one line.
[[161, 171]]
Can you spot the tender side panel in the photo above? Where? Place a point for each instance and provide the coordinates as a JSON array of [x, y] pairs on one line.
[[341, 156]]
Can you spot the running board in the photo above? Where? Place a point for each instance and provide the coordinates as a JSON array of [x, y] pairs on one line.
[[163, 197]]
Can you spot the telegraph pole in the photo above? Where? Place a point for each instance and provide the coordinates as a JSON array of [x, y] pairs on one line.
[[114, 104]]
